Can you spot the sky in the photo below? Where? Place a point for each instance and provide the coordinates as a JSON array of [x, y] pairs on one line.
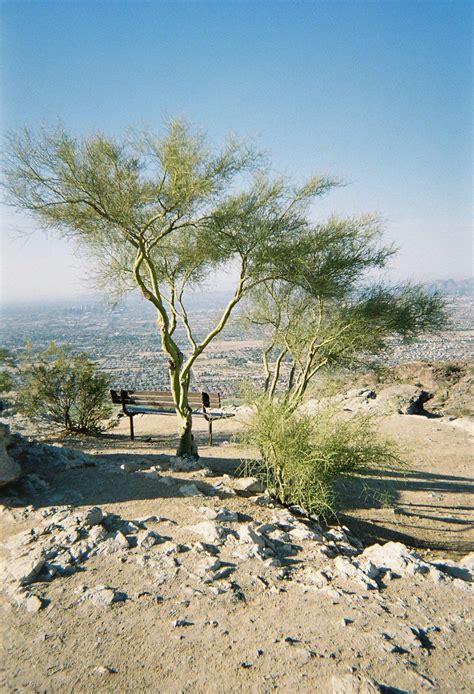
[[378, 93]]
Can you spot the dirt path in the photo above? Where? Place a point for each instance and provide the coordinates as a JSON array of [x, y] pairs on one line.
[[212, 616]]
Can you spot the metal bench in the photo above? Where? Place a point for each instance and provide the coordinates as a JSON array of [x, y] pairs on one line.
[[207, 405]]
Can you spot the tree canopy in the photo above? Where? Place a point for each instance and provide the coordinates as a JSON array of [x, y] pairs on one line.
[[163, 213]]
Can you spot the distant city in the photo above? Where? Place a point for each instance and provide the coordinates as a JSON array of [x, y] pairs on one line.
[[125, 343]]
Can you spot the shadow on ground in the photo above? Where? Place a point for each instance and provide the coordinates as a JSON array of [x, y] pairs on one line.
[[99, 479], [415, 507], [378, 507]]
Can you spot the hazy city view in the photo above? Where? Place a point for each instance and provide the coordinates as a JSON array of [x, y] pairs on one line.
[[125, 343]]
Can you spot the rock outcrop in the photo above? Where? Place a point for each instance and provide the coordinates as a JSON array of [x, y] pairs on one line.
[[9, 468]]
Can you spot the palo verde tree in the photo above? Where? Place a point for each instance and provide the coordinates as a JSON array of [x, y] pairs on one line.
[[162, 214], [324, 315]]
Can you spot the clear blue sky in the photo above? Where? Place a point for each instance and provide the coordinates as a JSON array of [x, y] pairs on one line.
[[378, 93]]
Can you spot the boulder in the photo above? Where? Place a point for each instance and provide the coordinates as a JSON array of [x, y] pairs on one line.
[[352, 570], [395, 557], [104, 596], [248, 485], [402, 399], [209, 531], [26, 569], [148, 538], [462, 571], [33, 604], [468, 562], [9, 468]]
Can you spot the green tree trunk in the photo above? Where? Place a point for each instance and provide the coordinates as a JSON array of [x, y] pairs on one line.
[[187, 448]]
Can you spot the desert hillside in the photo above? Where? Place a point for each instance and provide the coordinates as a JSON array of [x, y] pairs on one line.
[[125, 569]]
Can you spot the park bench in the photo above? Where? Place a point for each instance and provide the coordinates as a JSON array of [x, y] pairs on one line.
[[207, 405]]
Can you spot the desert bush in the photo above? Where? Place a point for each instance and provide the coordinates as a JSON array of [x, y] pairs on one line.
[[6, 381], [301, 456], [63, 386], [7, 370]]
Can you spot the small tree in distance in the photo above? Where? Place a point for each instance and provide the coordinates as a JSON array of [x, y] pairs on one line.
[[164, 213], [63, 386], [313, 331]]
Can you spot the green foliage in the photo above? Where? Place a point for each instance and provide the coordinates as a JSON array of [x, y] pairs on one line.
[[302, 455], [6, 357], [6, 382], [322, 325], [161, 214], [64, 386]]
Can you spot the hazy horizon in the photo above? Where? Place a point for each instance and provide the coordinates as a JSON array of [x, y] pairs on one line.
[[378, 94]]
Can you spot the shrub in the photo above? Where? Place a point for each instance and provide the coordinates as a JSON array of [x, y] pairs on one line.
[[6, 382], [302, 455], [64, 386], [7, 364]]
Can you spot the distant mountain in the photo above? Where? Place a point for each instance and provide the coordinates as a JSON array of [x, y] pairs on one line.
[[452, 287]]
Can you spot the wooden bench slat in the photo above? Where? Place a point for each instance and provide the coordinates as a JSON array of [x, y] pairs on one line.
[[161, 402], [159, 393]]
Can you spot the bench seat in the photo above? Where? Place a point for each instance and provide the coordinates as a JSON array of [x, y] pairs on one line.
[[135, 402]]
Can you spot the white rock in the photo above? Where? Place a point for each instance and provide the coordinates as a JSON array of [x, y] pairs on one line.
[[249, 535], [148, 538], [104, 596], [145, 519], [97, 534], [396, 557], [9, 468], [319, 579], [209, 512], [248, 485], [346, 569], [115, 542], [468, 561], [228, 516], [103, 670], [25, 569], [454, 570], [209, 531], [302, 532], [184, 464], [284, 520], [33, 604]]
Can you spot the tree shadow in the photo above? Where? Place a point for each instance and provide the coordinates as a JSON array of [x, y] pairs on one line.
[[427, 524], [99, 479], [377, 488]]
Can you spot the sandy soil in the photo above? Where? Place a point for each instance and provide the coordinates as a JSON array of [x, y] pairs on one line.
[[263, 629]]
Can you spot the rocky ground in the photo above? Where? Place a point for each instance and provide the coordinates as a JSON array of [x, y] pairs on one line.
[[127, 570]]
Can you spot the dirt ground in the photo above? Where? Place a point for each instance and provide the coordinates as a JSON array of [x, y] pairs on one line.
[[427, 504], [265, 629]]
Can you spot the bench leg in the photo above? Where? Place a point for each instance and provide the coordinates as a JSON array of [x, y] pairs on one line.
[[210, 432], [132, 433]]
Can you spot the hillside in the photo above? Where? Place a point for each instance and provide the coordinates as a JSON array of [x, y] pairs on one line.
[[126, 571]]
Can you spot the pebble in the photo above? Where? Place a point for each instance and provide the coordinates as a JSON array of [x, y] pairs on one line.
[[33, 604], [104, 670]]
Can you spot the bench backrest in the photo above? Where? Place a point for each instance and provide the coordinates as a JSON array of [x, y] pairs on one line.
[[163, 398]]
